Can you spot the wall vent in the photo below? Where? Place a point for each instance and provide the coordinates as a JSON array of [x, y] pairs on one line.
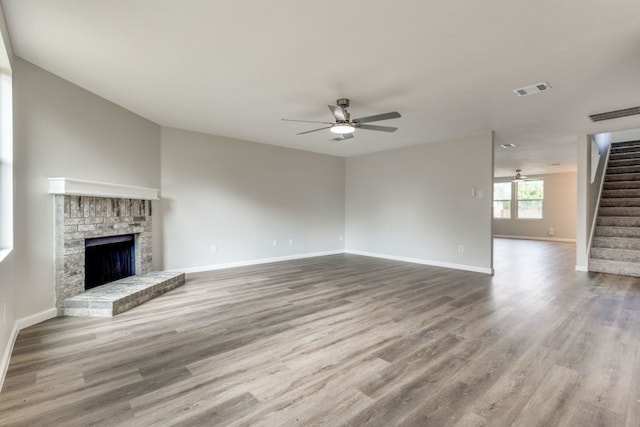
[[615, 114], [530, 90]]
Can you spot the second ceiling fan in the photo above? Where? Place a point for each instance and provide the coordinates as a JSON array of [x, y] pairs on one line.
[[519, 177], [344, 126]]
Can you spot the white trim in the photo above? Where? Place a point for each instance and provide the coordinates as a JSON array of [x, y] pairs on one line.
[[25, 322], [254, 262], [6, 357], [18, 325], [335, 252], [544, 239], [582, 268], [424, 262], [80, 187], [4, 253]]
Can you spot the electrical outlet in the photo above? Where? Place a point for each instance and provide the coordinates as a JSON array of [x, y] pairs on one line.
[[275, 243], [214, 249], [473, 191], [340, 238], [480, 194], [460, 248], [290, 242]]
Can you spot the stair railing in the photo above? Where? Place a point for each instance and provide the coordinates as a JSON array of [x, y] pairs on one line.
[[605, 164]]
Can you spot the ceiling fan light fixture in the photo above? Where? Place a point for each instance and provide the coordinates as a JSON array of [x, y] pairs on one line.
[[519, 177], [342, 128]]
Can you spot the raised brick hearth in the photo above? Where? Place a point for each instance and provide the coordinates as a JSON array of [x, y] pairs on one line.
[[121, 295]]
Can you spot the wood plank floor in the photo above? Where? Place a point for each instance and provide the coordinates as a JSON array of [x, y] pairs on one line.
[[347, 340]]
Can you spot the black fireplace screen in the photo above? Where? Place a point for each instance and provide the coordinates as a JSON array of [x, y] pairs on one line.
[[108, 259]]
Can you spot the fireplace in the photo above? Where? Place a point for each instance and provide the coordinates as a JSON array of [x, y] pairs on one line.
[[103, 235], [88, 226], [85, 210], [80, 220], [107, 259]]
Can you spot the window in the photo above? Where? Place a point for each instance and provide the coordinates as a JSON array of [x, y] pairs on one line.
[[6, 155], [502, 200], [518, 199], [530, 199]]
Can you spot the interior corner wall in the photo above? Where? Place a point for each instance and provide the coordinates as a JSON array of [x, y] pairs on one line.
[[227, 201], [416, 203], [559, 212], [61, 130]]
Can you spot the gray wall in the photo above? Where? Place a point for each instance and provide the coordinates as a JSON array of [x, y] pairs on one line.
[[416, 203], [241, 196], [559, 211], [63, 130]]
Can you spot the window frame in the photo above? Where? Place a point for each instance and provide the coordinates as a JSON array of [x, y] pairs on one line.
[[518, 200], [515, 208], [510, 200], [6, 154]]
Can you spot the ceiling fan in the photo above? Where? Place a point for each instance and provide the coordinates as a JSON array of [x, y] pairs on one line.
[[344, 126], [519, 177]]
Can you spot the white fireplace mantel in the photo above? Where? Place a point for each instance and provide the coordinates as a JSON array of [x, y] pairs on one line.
[[80, 187]]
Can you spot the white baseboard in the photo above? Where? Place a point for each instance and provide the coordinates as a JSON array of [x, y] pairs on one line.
[[4, 363], [424, 262], [25, 322], [584, 268], [255, 262], [544, 239], [335, 252], [18, 325]]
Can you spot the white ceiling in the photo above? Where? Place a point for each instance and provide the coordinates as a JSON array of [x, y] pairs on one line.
[[235, 68]]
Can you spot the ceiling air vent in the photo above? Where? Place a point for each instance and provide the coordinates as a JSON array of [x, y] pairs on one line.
[[615, 114], [530, 90]]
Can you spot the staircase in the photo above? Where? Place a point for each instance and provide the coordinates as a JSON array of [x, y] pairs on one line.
[[616, 243]]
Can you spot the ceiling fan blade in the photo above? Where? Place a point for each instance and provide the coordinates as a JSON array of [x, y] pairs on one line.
[[337, 112], [314, 130], [342, 137], [380, 128], [306, 121], [378, 117]]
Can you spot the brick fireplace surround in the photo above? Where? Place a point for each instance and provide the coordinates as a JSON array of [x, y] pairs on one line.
[[86, 209], [79, 218]]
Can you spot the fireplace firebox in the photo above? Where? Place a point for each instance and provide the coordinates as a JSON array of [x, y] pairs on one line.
[[108, 259]]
